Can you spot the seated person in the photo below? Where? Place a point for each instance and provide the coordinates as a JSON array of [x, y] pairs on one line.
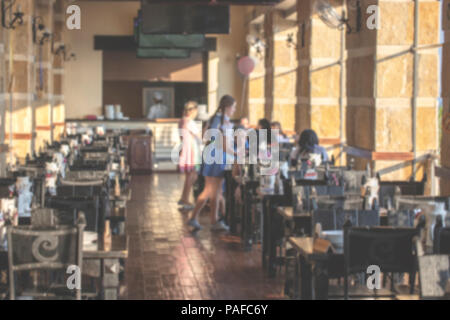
[[282, 137], [308, 146]]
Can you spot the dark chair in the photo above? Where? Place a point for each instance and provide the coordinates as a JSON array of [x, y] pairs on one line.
[[5, 184], [391, 249], [334, 219], [402, 218], [353, 180], [353, 202], [388, 189], [51, 250], [69, 208], [442, 240], [89, 166]]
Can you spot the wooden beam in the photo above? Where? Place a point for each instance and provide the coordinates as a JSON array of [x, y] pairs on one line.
[[20, 136]]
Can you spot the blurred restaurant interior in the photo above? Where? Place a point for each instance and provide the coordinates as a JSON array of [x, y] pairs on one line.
[[328, 123]]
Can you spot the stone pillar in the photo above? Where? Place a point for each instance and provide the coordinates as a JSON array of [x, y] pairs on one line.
[[445, 142], [3, 143], [256, 83], [380, 87], [269, 25], [318, 76], [58, 106], [19, 64], [43, 76], [284, 72]]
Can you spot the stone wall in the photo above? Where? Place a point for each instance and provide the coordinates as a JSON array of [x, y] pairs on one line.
[[372, 112], [30, 75], [445, 140]]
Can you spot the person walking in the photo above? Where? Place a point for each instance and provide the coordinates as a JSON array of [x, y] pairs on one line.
[[214, 173], [190, 155]]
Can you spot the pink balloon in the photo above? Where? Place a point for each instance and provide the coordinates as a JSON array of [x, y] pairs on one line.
[[246, 65]]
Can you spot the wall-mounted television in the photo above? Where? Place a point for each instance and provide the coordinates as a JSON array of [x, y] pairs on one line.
[[169, 41], [146, 53], [185, 19]]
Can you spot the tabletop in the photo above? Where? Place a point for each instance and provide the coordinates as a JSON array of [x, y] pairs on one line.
[[289, 214]]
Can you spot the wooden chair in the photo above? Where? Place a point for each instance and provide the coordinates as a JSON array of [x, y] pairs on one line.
[[45, 250], [391, 249], [348, 202], [402, 218], [388, 189], [69, 209], [441, 244], [334, 219]]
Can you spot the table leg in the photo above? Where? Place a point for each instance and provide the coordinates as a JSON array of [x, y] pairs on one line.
[[306, 286], [110, 278], [265, 234], [320, 282], [247, 227]]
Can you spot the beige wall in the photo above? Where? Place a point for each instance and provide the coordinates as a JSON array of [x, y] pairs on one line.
[[224, 77], [123, 65], [83, 82]]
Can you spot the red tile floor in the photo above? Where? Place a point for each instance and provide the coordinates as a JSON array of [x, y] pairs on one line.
[[166, 261]]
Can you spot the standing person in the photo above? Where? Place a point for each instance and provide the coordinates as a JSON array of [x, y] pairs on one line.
[[190, 156], [214, 173], [158, 110]]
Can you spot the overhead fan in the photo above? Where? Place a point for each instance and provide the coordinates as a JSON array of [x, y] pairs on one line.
[[329, 16]]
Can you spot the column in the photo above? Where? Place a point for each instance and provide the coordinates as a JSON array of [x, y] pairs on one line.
[[19, 83], [380, 91], [256, 80], [3, 142], [58, 106], [445, 140], [284, 72], [43, 76], [319, 77]]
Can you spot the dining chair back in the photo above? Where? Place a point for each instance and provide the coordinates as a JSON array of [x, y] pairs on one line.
[[44, 249], [334, 219], [347, 202], [401, 218], [389, 249], [69, 209], [442, 241]]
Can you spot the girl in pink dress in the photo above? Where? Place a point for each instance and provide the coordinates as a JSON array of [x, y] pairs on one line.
[[190, 156]]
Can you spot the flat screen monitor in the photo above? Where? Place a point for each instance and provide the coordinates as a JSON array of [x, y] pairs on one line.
[[185, 19], [146, 53], [168, 41]]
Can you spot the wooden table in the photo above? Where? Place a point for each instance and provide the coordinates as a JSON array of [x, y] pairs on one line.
[[249, 212], [312, 268], [105, 265], [272, 228]]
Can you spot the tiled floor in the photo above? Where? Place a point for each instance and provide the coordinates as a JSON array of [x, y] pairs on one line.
[[166, 261]]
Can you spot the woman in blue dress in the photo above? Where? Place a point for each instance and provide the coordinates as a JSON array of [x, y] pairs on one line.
[[214, 171]]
